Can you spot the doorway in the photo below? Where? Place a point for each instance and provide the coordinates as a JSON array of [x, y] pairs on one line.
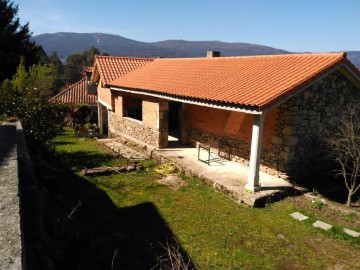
[[103, 121], [174, 122]]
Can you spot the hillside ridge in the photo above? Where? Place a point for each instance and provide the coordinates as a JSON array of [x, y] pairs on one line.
[[66, 43]]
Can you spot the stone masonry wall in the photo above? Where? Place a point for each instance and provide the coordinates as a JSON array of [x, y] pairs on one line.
[[134, 128], [294, 145], [10, 233]]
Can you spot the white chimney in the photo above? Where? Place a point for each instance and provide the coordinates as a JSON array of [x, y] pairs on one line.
[[211, 54]]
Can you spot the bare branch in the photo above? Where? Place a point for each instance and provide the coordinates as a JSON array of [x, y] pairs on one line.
[[343, 144]]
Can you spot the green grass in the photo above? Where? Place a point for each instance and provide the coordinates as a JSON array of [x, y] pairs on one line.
[[212, 229]]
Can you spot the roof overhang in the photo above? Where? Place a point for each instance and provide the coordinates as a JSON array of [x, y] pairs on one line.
[[194, 101], [345, 69], [105, 104], [351, 74]]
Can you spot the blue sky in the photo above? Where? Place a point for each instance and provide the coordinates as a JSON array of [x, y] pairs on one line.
[[293, 25]]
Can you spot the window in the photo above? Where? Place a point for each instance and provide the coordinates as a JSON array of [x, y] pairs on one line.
[[132, 107]]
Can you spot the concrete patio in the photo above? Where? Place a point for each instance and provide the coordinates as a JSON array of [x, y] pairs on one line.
[[224, 175]]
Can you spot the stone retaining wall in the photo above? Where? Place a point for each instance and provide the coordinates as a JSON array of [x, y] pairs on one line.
[[10, 233]]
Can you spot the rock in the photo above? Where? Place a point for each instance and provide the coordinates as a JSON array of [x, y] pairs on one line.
[[276, 140], [292, 120], [291, 140], [287, 156], [289, 130]]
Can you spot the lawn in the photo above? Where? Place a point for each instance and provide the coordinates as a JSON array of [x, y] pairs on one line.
[[122, 221]]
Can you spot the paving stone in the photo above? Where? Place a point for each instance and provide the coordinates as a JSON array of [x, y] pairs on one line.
[[125, 151], [298, 216], [322, 225], [351, 232]]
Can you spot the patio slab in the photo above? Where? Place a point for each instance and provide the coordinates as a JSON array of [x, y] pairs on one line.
[[224, 175], [227, 176]]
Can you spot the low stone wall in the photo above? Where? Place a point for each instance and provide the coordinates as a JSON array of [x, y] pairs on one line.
[[239, 150], [133, 128], [10, 233]]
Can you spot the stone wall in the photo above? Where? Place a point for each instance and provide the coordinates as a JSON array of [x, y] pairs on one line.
[[153, 129], [134, 128], [12, 143], [294, 146]]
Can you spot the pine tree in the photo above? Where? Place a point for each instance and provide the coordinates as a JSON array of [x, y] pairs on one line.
[[15, 41]]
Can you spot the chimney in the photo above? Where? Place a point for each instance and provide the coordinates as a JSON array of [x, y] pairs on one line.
[[211, 54]]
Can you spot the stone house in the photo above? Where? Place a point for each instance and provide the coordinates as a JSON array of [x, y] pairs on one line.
[[106, 69], [264, 111]]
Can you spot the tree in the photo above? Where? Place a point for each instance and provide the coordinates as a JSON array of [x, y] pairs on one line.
[[59, 71], [15, 41], [26, 97], [343, 145], [75, 64], [91, 57]]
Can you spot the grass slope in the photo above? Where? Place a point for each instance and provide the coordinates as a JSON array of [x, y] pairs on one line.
[[122, 220]]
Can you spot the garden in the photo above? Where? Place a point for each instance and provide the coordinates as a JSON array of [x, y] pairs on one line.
[[131, 221]]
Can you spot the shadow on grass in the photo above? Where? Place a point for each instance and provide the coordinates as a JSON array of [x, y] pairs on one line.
[[84, 230], [62, 143], [86, 159]]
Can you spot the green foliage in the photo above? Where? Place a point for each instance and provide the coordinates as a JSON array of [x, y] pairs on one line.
[[77, 115], [318, 204], [15, 41], [41, 120], [59, 71], [83, 115], [26, 97], [76, 62], [9, 98]]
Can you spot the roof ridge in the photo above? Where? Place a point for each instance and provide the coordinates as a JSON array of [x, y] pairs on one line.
[[69, 88], [123, 57], [343, 54]]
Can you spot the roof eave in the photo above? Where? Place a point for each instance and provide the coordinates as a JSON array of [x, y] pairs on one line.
[[188, 100], [344, 64]]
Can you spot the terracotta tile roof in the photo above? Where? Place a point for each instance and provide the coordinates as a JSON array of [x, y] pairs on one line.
[[76, 94], [111, 67], [255, 81]]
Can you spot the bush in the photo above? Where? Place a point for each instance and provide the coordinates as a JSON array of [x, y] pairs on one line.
[[42, 121]]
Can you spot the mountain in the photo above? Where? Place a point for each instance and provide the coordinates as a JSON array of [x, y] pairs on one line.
[[354, 57], [69, 43]]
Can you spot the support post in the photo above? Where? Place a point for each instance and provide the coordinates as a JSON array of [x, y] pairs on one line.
[[183, 123], [100, 119], [255, 153], [163, 123]]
